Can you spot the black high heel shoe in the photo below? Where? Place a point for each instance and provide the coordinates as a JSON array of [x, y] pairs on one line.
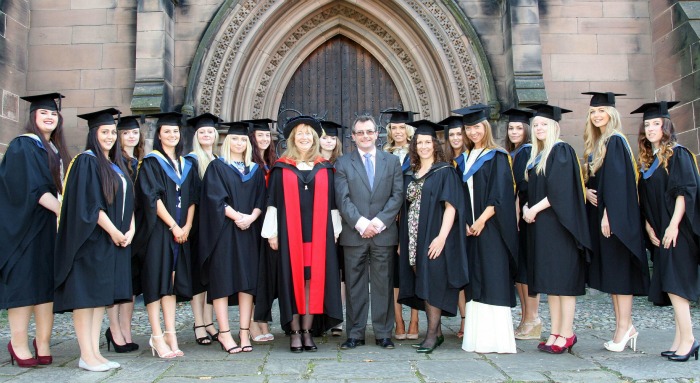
[[310, 347], [668, 353], [294, 349], [684, 358], [204, 340], [214, 337], [117, 348]]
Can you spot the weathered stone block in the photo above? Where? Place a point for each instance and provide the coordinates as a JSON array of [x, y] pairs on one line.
[[14, 47], [526, 34], [65, 57], [690, 140], [151, 21], [630, 44], [661, 25], [150, 45], [559, 25], [119, 55], [658, 6], [17, 10], [10, 105], [579, 67], [527, 59], [189, 31], [569, 43], [524, 15], [50, 35], [76, 97], [641, 68], [670, 68], [684, 90], [97, 79], [36, 5], [68, 18], [150, 69], [57, 80], [616, 25], [625, 9], [482, 8], [3, 24], [126, 34], [121, 16], [92, 4], [184, 52], [572, 9], [94, 34]]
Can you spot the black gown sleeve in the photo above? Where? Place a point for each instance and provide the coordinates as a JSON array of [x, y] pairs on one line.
[[149, 188], [455, 249], [24, 179], [82, 202], [501, 195], [564, 185], [215, 196], [617, 192], [519, 169], [684, 181]]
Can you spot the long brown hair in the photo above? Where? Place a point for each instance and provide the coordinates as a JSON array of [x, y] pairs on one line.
[[108, 178], [448, 147], [139, 150], [510, 145], [489, 142], [438, 153], [56, 160], [668, 140], [269, 156]]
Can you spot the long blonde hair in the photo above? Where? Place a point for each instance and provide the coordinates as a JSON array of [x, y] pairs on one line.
[[540, 147], [203, 159], [226, 150], [595, 141], [489, 142], [293, 152], [390, 145]]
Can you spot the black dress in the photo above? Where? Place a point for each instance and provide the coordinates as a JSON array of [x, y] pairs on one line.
[[618, 263], [228, 256], [558, 240], [438, 280], [154, 245], [293, 193], [675, 269], [27, 240], [520, 157], [90, 270], [493, 254]]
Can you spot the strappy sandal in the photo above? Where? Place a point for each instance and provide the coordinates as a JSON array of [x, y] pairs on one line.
[[202, 341], [245, 348], [233, 350], [177, 352], [214, 336]]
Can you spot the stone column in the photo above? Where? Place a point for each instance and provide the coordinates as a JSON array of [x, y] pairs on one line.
[[153, 89], [14, 34], [526, 86]]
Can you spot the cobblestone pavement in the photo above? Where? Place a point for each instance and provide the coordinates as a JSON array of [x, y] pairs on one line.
[[272, 361]]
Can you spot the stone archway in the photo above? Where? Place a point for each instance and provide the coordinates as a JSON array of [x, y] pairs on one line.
[[252, 48]]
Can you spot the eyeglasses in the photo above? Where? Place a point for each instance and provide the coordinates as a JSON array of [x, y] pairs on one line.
[[363, 132]]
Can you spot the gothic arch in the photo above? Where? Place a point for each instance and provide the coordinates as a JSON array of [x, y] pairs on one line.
[[252, 49]]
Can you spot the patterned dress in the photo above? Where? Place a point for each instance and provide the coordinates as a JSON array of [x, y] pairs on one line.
[[413, 194]]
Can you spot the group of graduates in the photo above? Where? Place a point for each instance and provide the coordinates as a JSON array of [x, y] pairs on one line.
[[243, 227]]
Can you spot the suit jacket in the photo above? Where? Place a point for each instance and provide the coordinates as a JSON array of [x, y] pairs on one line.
[[355, 199]]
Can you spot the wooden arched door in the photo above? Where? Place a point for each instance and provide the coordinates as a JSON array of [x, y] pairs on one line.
[[337, 82]]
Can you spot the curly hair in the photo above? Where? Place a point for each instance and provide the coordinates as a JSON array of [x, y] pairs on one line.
[[668, 140], [438, 153]]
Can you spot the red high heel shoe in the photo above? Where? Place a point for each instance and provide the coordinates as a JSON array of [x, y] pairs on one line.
[[568, 346], [29, 362], [543, 345], [43, 360]]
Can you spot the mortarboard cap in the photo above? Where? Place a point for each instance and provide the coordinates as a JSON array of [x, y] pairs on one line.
[[425, 127], [603, 98], [548, 111], [100, 117], [166, 118], [474, 114], [400, 116], [655, 109], [330, 128], [261, 124], [519, 115], [204, 120], [451, 123], [240, 128], [299, 120], [129, 122], [44, 101]]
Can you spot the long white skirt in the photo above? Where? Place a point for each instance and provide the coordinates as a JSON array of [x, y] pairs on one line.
[[488, 328]]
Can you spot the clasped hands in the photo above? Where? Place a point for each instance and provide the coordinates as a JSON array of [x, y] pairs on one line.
[[122, 239]]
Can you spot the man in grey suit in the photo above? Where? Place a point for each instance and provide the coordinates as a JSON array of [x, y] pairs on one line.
[[369, 194]]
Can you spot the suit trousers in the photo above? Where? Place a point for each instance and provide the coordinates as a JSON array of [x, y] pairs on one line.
[[369, 266]]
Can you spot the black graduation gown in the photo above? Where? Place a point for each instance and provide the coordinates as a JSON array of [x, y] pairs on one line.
[[90, 270], [198, 286], [332, 310], [493, 254], [438, 280], [619, 263], [154, 244], [405, 168], [228, 256], [268, 264], [558, 240], [27, 239], [675, 269], [135, 264], [520, 158]]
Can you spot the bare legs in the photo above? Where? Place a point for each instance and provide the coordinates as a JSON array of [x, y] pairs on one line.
[[245, 305], [120, 316], [88, 325], [462, 305], [530, 314], [562, 309], [18, 319], [163, 345], [203, 315], [684, 326], [622, 304]]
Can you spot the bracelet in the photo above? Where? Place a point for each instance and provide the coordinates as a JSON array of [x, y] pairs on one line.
[[172, 227]]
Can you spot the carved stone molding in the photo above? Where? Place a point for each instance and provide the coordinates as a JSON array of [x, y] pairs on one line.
[[445, 68]]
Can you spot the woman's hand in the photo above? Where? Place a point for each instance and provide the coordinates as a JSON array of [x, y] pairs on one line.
[[117, 237], [592, 197], [670, 236], [186, 229], [529, 214], [476, 228], [605, 225], [436, 246], [244, 221], [129, 237], [273, 242], [652, 236], [178, 234]]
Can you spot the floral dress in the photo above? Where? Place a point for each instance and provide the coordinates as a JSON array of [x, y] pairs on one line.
[[413, 194]]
